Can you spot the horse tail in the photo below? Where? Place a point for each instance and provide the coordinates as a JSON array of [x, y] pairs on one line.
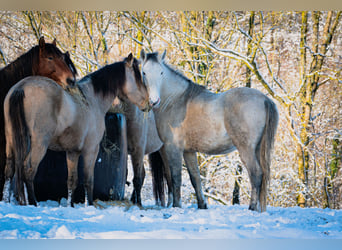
[[157, 168], [21, 141], [265, 146], [2, 149]]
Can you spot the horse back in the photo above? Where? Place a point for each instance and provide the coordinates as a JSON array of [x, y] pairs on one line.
[[42, 97], [214, 123], [245, 115], [48, 109]]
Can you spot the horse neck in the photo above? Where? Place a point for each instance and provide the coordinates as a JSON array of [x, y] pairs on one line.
[[17, 70], [173, 87], [98, 100]]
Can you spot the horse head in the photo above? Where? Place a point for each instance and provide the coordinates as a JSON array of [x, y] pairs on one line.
[[134, 89], [153, 74], [55, 64]]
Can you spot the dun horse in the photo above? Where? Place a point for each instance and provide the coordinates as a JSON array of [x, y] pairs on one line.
[[39, 115], [44, 59], [142, 139], [192, 119]]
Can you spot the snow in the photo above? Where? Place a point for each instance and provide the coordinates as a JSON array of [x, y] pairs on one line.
[[122, 220], [219, 227]]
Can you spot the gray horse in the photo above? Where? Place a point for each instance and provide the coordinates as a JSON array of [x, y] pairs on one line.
[[142, 139], [191, 119]]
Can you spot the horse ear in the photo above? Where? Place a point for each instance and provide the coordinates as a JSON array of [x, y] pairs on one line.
[[163, 55], [130, 59], [142, 55], [41, 43], [54, 42]]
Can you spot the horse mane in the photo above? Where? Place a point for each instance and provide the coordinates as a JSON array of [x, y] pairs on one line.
[[193, 89], [70, 63], [111, 78], [20, 68], [137, 73], [27, 65]]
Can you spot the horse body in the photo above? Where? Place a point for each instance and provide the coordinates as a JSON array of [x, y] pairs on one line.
[[211, 136], [62, 117], [52, 118], [142, 139], [191, 119], [110, 171], [44, 59], [141, 130]]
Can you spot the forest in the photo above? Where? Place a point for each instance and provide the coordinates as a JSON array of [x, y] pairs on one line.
[[293, 57]]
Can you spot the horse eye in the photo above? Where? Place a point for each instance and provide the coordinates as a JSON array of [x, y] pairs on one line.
[[144, 73], [50, 58], [161, 72]]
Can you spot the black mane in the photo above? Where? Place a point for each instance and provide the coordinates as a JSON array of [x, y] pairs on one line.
[[108, 79], [19, 69], [111, 78], [70, 64]]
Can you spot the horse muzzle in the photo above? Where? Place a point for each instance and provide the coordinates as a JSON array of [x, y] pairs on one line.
[[155, 104], [150, 104], [147, 108]]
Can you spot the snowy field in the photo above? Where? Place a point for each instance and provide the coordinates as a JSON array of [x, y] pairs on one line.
[[222, 227], [121, 220]]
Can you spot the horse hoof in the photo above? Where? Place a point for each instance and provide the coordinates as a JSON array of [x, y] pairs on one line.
[[203, 206], [254, 207], [134, 199], [176, 205]]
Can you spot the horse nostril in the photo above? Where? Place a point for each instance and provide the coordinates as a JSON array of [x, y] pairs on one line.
[[156, 103]]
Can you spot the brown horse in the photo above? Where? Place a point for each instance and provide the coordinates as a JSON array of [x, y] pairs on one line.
[[44, 59], [39, 115], [192, 119]]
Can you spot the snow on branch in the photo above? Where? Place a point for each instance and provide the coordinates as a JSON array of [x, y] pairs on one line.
[[252, 65]]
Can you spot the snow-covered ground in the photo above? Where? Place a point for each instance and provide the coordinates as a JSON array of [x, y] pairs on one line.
[[123, 221]]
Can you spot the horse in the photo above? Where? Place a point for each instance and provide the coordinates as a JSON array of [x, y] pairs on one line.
[[40, 114], [110, 172], [44, 59], [191, 119], [142, 139]]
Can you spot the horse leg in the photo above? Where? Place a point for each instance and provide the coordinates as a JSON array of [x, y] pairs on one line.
[[172, 158], [8, 174], [89, 165], [255, 173], [192, 166], [139, 176], [31, 164], [72, 162], [167, 175]]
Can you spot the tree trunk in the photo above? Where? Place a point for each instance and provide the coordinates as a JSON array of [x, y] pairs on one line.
[[302, 153], [249, 48], [309, 87]]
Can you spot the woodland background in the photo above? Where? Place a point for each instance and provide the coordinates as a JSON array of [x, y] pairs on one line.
[[294, 57]]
